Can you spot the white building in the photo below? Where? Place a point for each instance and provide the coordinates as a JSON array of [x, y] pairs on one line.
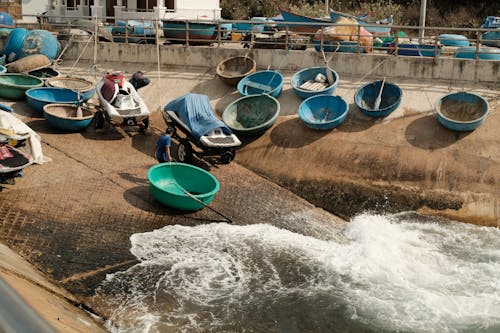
[[121, 9]]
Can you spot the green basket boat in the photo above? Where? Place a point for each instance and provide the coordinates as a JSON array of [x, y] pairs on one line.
[[182, 186], [14, 86], [252, 115]]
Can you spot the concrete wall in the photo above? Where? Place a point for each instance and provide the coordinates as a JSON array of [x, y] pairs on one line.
[[344, 63]]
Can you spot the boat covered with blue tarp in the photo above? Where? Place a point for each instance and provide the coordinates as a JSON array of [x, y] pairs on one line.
[[196, 112]]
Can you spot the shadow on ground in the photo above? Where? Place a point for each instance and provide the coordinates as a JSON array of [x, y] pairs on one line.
[[282, 135], [427, 133]]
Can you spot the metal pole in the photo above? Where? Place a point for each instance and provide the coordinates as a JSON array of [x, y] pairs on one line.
[[327, 7], [423, 9]]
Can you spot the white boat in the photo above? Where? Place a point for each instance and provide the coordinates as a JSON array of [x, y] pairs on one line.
[[121, 102], [193, 115]]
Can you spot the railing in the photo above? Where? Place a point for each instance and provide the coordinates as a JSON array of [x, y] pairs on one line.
[[16, 316], [296, 36]]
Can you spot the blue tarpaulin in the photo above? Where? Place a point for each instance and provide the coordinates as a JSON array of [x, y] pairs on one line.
[[197, 113]]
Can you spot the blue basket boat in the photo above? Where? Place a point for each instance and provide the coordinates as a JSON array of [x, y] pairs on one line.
[[453, 40], [323, 112], [261, 82], [251, 115], [22, 42], [182, 186], [3, 69], [37, 98], [306, 84], [461, 111], [483, 53], [367, 94], [68, 118]]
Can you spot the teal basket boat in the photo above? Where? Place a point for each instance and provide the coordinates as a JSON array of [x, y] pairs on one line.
[[14, 86], [182, 186]]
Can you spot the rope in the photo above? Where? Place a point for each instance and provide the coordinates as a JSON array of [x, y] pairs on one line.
[[279, 67], [158, 60]]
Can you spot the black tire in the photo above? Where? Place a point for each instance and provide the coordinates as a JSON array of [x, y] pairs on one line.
[[184, 151], [145, 126], [99, 120], [227, 156]]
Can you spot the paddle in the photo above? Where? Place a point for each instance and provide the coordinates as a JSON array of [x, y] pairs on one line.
[[376, 105], [200, 201], [329, 73], [79, 112]]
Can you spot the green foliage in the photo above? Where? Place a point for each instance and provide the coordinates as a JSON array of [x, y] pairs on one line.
[[440, 13]]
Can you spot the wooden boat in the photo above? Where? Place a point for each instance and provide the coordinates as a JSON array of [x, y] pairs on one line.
[[390, 98], [302, 23], [121, 102], [453, 40], [37, 98], [261, 82], [68, 118], [375, 27], [483, 53], [14, 86], [132, 31], [251, 115], [182, 186], [323, 112], [314, 81], [84, 87], [461, 111], [192, 114], [193, 31], [232, 70]]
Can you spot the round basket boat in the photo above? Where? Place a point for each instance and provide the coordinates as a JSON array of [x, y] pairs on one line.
[[367, 94], [305, 82], [182, 186], [67, 118], [251, 115], [14, 86], [323, 112], [84, 87], [261, 82], [483, 53], [232, 70], [461, 111], [37, 98]]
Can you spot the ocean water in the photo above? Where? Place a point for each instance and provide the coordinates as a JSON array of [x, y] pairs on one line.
[[393, 273]]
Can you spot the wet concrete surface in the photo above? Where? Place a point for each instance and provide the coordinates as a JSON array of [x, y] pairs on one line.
[[73, 217]]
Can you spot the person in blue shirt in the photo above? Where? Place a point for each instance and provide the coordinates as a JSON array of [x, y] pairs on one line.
[[162, 152]]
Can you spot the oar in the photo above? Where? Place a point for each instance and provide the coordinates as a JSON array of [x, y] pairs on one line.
[[329, 73], [79, 112], [376, 105], [201, 202], [5, 108]]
